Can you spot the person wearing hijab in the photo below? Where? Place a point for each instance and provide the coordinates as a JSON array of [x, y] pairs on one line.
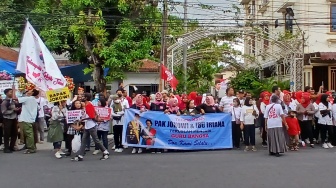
[[325, 121], [265, 100], [275, 118], [192, 96], [183, 103], [248, 115], [158, 104], [305, 113], [209, 106], [140, 103], [317, 128], [173, 107]]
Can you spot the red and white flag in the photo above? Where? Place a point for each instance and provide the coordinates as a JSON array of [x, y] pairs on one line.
[[168, 76], [36, 61]]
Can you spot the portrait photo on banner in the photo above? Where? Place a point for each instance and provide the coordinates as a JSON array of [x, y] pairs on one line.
[[153, 129]]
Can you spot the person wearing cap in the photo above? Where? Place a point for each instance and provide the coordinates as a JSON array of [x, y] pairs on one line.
[[293, 130], [28, 117]]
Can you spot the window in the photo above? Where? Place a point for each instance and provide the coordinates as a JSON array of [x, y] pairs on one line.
[[253, 40], [266, 35], [333, 17]]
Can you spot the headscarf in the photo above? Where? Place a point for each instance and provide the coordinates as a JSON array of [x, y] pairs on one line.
[[324, 101], [183, 104], [192, 95], [287, 97], [173, 105], [139, 101], [306, 98], [265, 97], [318, 99], [298, 95], [198, 100], [211, 101], [158, 98], [293, 95], [331, 99]]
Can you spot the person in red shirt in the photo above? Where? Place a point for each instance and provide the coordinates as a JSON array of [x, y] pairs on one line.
[[129, 99], [90, 129], [293, 130]]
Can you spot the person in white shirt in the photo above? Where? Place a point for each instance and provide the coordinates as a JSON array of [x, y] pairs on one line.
[[249, 114], [226, 102], [27, 118], [275, 118], [41, 123], [118, 109], [326, 121], [236, 131]]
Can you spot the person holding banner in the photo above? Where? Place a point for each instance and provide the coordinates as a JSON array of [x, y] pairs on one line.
[[191, 109], [73, 128], [173, 107], [57, 122], [103, 128], [158, 104], [118, 110], [90, 130], [209, 106]]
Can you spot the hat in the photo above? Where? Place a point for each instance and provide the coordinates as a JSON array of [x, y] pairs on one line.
[[164, 91], [241, 91]]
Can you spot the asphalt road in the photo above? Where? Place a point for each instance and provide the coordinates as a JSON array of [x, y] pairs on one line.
[[306, 168]]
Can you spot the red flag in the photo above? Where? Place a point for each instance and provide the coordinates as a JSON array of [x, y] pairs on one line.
[[168, 76]]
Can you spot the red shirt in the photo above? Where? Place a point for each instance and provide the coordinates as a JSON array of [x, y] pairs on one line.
[[293, 126], [90, 111], [130, 101]]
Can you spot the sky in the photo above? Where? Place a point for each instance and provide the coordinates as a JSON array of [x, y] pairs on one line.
[[222, 14]]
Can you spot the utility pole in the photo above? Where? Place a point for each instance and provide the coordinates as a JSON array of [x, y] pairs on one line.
[[185, 47], [163, 54]]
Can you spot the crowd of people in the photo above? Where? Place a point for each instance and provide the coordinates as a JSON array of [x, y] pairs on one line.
[[286, 119]]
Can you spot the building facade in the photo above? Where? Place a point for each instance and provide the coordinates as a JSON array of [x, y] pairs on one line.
[[311, 22]]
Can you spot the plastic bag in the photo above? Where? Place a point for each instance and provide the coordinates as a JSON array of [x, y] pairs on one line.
[[76, 143]]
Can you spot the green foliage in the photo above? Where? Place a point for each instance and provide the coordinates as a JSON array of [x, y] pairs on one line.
[[200, 76], [248, 80], [102, 33]]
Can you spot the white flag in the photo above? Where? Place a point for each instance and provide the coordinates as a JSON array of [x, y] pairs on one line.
[[36, 61]]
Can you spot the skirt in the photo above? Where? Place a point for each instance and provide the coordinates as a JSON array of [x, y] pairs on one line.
[[276, 140]]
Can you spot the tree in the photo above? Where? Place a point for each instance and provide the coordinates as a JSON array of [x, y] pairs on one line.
[[112, 34]]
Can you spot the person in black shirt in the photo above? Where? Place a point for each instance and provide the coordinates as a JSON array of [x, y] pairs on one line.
[[209, 106]]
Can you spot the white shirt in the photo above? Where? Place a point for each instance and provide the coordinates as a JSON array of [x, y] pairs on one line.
[[262, 107], [326, 120], [316, 106], [124, 103], [235, 113], [42, 102], [227, 103], [29, 109], [246, 114], [273, 114]]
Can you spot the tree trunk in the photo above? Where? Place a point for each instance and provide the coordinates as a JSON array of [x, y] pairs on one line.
[[98, 78]]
